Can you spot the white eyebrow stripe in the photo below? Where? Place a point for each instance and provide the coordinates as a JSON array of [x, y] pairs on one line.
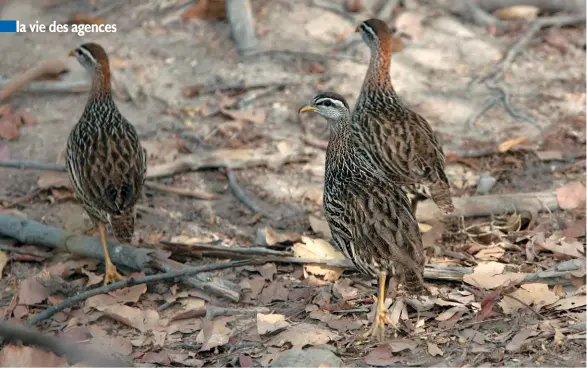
[[334, 101], [365, 27], [88, 55]]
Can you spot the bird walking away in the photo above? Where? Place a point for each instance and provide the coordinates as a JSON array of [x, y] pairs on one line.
[[371, 220], [105, 160], [395, 138]]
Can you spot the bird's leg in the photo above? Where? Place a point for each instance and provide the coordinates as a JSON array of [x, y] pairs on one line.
[[111, 274], [381, 314]]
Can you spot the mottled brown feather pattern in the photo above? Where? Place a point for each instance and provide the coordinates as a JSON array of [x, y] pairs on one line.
[[370, 219], [105, 160], [392, 136]]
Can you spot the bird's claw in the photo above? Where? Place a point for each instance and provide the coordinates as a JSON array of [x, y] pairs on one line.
[[111, 274]]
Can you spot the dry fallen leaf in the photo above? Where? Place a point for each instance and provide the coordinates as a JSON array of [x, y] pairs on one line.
[[572, 302], [344, 289], [517, 12], [571, 195], [537, 295], [304, 334], [449, 313], [11, 121], [318, 249], [489, 275], [206, 10], [4, 151], [214, 333], [434, 350], [511, 143], [320, 226], [410, 23], [398, 345], [254, 116], [3, 262], [25, 356], [267, 323], [556, 244], [93, 279], [520, 338], [275, 291], [129, 294], [381, 356], [491, 253], [53, 179]]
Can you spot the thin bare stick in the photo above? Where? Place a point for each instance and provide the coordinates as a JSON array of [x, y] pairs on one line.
[[52, 86], [46, 67], [69, 302], [525, 38], [32, 232], [10, 248], [179, 191], [76, 352], [488, 205], [202, 89], [249, 251], [306, 55], [335, 8], [24, 164], [240, 16], [240, 194]]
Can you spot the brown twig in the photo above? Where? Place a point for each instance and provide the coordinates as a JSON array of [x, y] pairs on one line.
[[240, 194], [76, 352], [44, 68], [487, 205], [306, 55], [524, 39], [10, 248], [240, 16], [249, 251], [52, 86], [538, 315], [179, 191], [29, 196], [69, 302], [335, 8], [201, 89], [138, 259]]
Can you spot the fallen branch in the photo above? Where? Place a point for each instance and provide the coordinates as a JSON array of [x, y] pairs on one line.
[[10, 248], [75, 352], [336, 8], [240, 195], [52, 86], [44, 68], [203, 247], [69, 302], [524, 39], [478, 11], [233, 159], [240, 16], [306, 55], [488, 205], [201, 89], [179, 191], [138, 259], [554, 276]]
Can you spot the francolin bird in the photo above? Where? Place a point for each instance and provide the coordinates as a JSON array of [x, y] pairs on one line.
[[371, 219], [393, 137], [105, 160]]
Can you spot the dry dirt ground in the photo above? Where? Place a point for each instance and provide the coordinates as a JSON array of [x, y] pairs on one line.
[[155, 55]]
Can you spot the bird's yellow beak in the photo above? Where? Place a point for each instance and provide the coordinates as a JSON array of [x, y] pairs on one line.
[[307, 108], [71, 53]]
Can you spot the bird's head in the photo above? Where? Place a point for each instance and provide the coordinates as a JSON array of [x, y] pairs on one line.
[[330, 105]]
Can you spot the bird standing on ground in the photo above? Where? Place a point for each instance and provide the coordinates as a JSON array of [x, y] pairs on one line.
[[105, 160], [394, 137], [370, 218]]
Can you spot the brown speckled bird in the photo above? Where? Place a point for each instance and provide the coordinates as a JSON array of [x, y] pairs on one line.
[[370, 218], [105, 160], [395, 138]]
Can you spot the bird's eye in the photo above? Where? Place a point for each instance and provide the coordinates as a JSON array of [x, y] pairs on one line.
[[327, 103]]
